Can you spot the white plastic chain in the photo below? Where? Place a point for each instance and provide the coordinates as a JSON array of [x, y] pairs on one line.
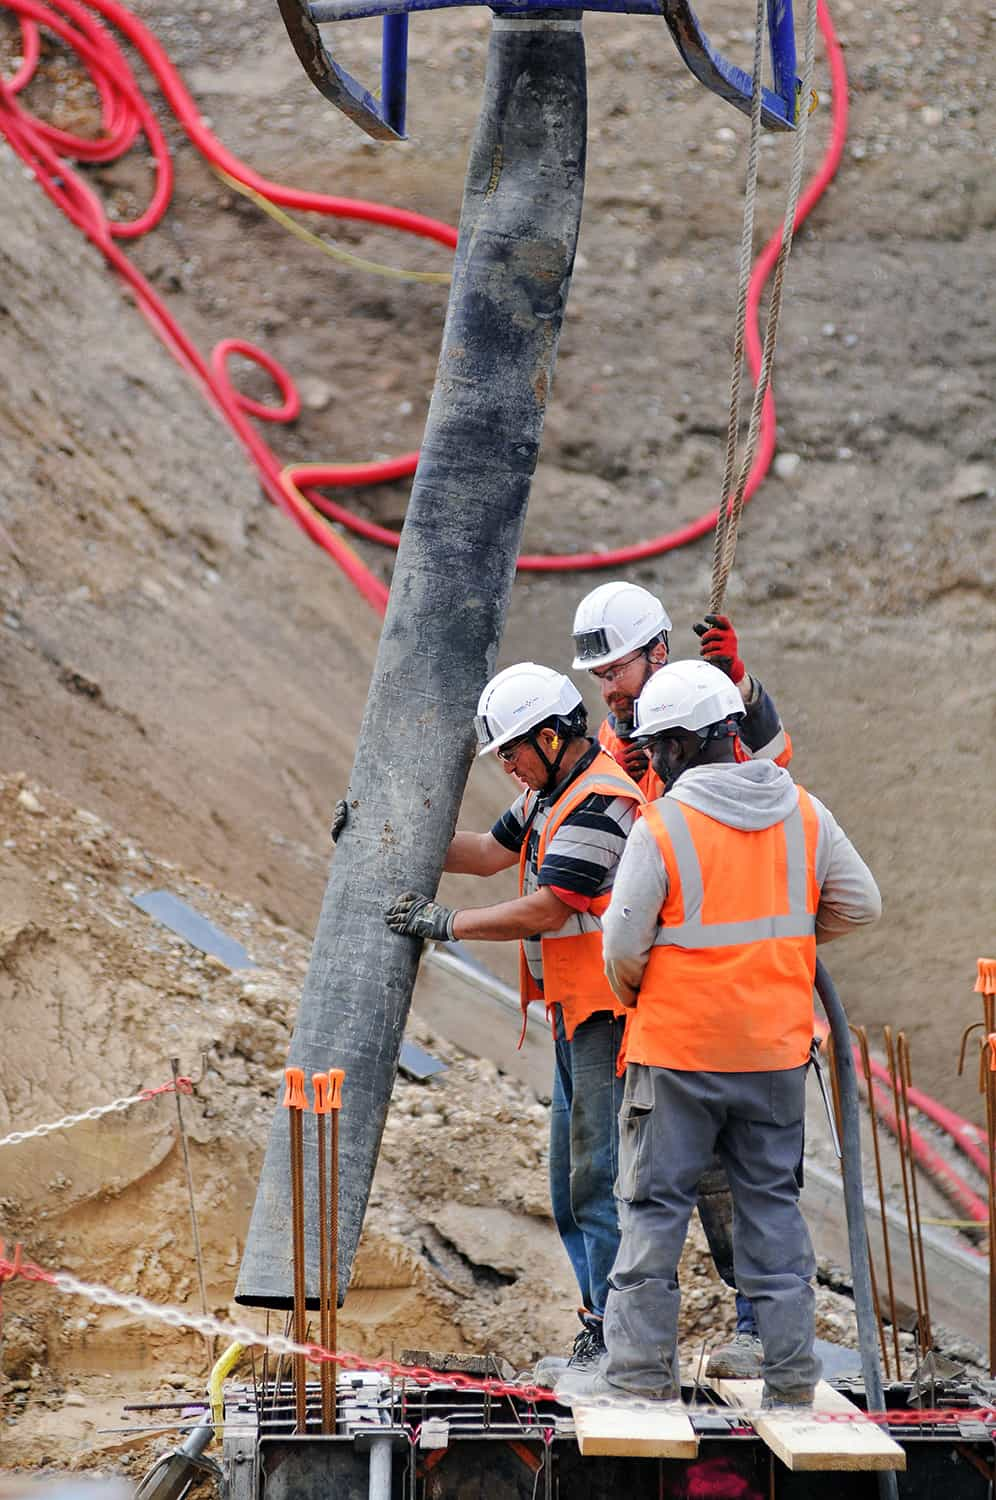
[[175, 1317], [94, 1113]]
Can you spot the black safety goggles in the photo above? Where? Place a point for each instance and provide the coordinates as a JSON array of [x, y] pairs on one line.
[[591, 644]]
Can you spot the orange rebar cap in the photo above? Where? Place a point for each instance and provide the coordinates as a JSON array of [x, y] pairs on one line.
[[336, 1076], [985, 980], [320, 1082], [991, 1043], [294, 1095]]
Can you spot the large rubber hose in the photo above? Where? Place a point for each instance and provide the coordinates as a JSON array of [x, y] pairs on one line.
[[452, 583], [854, 1204]]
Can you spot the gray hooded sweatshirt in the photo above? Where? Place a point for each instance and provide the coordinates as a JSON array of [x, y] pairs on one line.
[[750, 795]]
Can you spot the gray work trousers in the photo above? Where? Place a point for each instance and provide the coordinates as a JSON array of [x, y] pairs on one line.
[[670, 1126]]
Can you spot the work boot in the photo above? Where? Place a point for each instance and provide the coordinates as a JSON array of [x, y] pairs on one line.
[[740, 1359], [800, 1395], [590, 1384], [589, 1346]]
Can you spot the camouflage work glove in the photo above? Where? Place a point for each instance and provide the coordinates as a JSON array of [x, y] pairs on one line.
[[416, 916]]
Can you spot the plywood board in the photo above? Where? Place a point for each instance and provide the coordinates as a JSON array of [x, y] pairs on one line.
[[630, 1431], [802, 1441]]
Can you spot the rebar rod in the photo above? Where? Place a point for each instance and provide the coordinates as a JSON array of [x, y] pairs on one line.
[[293, 1100], [334, 1233], [324, 1261], [905, 1066], [989, 1078], [905, 1158], [866, 1068], [854, 1204], [985, 985]]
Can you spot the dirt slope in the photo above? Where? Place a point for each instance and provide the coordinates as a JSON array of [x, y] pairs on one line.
[[178, 661]]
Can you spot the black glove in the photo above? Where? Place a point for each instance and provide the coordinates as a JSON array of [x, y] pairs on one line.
[[416, 916], [340, 814]]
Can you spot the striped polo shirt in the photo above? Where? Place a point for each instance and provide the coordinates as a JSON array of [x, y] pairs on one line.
[[581, 858]]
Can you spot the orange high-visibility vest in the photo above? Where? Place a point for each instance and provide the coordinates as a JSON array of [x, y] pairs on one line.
[[650, 783], [728, 987], [573, 966]]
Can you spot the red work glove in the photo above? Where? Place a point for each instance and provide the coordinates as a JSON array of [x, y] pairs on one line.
[[633, 758], [720, 646]]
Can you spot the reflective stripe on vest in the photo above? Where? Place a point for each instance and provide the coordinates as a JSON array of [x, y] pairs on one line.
[[693, 932], [573, 967], [728, 982]]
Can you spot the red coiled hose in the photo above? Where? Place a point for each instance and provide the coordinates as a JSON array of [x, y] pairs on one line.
[[125, 113]]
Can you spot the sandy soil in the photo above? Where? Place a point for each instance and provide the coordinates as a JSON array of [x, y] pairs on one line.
[[178, 662]]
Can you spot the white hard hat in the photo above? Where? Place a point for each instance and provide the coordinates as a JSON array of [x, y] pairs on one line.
[[614, 619], [520, 698], [685, 695]]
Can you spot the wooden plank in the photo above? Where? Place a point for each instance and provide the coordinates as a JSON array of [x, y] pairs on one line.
[[802, 1441], [626, 1430]]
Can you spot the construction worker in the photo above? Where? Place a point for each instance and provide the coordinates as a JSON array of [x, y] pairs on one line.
[[621, 639], [725, 888], [566, 832]]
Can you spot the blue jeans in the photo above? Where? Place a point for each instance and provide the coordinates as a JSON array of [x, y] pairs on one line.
[[584, 1149]]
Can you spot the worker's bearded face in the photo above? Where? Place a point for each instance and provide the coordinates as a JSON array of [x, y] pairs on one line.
[[621, 687]]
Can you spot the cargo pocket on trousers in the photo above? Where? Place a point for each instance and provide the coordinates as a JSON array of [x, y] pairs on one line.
[[635, 1135], [788, 1095]]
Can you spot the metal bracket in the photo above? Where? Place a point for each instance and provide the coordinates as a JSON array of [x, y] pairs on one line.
[[384, 117]]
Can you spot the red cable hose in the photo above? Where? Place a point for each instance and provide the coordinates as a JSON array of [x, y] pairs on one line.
[[968, 1137], [928, 1157], [125, 113]]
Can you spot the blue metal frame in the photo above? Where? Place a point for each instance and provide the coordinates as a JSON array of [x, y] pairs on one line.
[[384, 118]]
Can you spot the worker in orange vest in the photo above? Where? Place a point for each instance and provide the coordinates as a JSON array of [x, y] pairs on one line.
[[566, 832], [726, 886], [621, 637]]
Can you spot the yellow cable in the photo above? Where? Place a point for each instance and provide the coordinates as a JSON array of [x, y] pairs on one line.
[[295, 493], [436, 278], [222, 1367]]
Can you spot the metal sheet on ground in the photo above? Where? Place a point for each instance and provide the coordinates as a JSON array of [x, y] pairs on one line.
[[187, 923], [662, 1431], [805, 1442], [418, 1064]]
